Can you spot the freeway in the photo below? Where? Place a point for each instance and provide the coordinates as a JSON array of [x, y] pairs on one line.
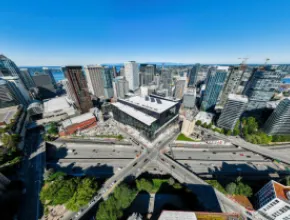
[[90, 141], [79, 150], [252, 147], [211, 198], [90, 167], [241, 168], [134, 168], [178, 154]]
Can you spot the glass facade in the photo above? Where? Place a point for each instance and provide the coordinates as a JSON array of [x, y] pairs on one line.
[[215, 80]]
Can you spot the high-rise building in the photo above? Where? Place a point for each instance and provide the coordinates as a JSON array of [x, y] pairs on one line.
[[279, 121], [233, 109], [189, 98], [166, 81], [100, 81], [48, 71], [147, 73], [68, 89], [193, 75], [78, 84], [26, 78], [273, 201], [261, 87], [121, 87], [7, 97], [132, 74], [180, 87], [8, 67], [231, 85], [12, 92], [214, 84], [45, 85]]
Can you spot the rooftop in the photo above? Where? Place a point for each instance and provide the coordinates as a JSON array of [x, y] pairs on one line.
[[186, 215], [223, 68], [204, 117], [6, 114], [140, 116], [281, 191], [151, 103], [240, 98], [77, 119], [55, 104]]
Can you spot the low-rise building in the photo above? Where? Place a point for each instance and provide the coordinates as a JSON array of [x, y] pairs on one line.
[[273, 201], [78, 123], [147, 114], [185, 215], [58, 106]]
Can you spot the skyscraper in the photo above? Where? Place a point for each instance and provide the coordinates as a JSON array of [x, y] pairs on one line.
[[13, 92], [132, 74], [193, 75], [121, 87], [147, 72], [78, 84], [189, 98], [214, 84], [47, 71], [45, 85], [100, 81], [261, 87], [233, 109], [279, 121], [231, 85], [180, 87], [9, 69], [68, 89], [26, 78], [166, 81]]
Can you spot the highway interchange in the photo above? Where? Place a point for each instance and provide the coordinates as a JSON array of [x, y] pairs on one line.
[[119, 160]]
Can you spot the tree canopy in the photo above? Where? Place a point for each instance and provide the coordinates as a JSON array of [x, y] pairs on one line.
[[113, 207], [72, 192]]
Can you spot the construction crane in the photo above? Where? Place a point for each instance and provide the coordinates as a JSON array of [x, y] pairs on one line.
[[243, 65], [267, 59]]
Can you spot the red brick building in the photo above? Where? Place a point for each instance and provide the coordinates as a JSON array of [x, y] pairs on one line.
[[81, 122]]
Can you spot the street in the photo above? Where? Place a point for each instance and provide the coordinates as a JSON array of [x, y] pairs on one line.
[[32, 170]]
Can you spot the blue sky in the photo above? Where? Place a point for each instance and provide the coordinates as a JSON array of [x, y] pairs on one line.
[[50, 32]]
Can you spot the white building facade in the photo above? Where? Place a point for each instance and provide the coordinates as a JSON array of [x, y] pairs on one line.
[[273, 201], [132, 74]]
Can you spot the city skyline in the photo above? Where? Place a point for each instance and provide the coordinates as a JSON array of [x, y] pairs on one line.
[[206, 32]]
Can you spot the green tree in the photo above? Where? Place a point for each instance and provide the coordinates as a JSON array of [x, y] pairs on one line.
[[228, 132], [236, 130], [87, 188], [198, 122], [145, 185], [243, 189], [171, 181], [108, 210], [10, 141], [231, 188], [204, 125], [53, 130], [124, 196], [177, 186], [59, 175]]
